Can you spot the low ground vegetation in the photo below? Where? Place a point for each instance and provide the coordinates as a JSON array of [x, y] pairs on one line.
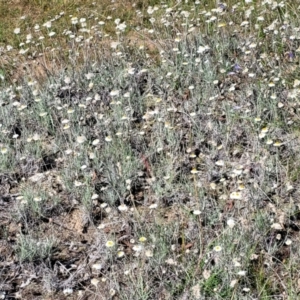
[[149, 150]]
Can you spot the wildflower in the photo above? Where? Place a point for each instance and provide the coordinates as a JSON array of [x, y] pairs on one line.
[[237, 172], [131, 71], [241, 187], [149, 253], [81, 139], [137, 248], [256, 120], [236, 195], [4, 150], [277, 144], [152, 206], [126, 272], [288, 242], [217, 248], [168, 125], [296, 83], [276, 226], [114, 45], [261, 135], [242, 273], [122, 207], [47, 24], [194, 171], [97, 97], [142, 239], [95, 142], [110, 244], [17, 30], [230, 223], [97, 266], [253, 256], [244, 23], [28, 37], [114, 93], [269, 142], [69, 151], [23, 51], [36, 137], [233, 283], [68, 291], [236, 263], [67, 80], [120, 254], [197, 212], [37, 199], [95, 196], [74, 20], [280, 104], [94, 281], [220, 163], [213, 186], [121, 26], [221, 25], [108, 138], [289, 187], [171, 261], [202, 49], [78, 183]]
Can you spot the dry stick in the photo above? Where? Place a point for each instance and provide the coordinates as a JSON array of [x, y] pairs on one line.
[[146, 164], [50, 220], [200, 224]]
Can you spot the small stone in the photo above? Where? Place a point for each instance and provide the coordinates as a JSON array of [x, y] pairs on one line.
[[36, 177]]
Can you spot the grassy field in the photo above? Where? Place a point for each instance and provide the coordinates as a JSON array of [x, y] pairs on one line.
[[149, 150]]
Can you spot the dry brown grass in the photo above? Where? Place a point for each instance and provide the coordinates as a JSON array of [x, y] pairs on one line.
[[48, 63]]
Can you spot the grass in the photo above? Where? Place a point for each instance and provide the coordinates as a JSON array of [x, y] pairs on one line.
[[149, 150], [30, 249]]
